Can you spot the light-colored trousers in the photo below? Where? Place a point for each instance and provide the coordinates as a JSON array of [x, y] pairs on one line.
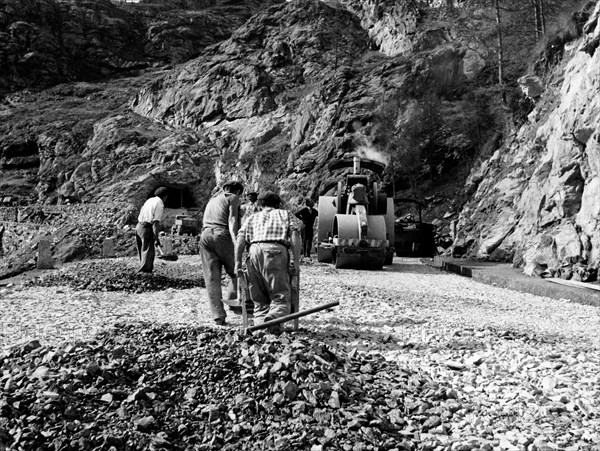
[[216, 251], [269, 280]]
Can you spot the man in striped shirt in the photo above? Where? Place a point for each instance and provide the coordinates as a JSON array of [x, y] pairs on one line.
[[270, 234]]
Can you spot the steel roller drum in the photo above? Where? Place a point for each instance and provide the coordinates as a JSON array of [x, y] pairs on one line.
[[346, 227]]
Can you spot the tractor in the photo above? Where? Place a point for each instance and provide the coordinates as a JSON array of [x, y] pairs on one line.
[[356, 224]]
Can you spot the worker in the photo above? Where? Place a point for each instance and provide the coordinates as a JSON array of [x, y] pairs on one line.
[[357, 196], [250, 206], [217, 240], [148, 228], [271, 234], [307, 215]]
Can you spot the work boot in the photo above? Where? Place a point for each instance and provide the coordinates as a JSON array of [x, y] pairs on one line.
[[275, 330], [220, 322]]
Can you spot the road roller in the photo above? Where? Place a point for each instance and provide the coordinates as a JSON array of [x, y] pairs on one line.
[[356, 218]]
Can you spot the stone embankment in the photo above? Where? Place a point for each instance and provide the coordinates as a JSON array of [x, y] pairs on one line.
[[76, 231]]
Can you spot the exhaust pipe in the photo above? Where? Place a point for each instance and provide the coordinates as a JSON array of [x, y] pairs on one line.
[[356, 162]]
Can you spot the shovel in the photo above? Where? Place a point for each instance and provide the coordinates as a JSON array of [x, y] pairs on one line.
[[162, 256]]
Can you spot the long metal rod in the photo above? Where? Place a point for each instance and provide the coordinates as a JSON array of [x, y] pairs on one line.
[[286, 318]]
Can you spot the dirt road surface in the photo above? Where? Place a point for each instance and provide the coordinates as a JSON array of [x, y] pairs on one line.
[[523, 369]]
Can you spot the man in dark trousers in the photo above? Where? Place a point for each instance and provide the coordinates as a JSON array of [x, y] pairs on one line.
[[148, 227], [220, 225], [271, 234], [251, 206], [307, 215]]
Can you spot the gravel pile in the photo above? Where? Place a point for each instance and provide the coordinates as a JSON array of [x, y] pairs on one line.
[[121, 275], [465, 366], [157, 387]]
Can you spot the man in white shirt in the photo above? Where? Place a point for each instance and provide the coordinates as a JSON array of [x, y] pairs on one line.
[[148, 227]]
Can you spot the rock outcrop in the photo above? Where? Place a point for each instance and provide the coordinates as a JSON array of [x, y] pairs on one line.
[[45, 42], [294, 87], [269, 92], [536, 201]]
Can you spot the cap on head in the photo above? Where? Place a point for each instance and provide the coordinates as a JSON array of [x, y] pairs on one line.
[[161, 192], [269, 198], [233, 186], [253, 194]]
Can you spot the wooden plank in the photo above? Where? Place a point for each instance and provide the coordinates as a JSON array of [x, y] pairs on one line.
[[574, 283]]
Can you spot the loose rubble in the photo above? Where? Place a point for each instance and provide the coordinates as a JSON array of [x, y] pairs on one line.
[[158, 387], [121, 275], [424, 360]]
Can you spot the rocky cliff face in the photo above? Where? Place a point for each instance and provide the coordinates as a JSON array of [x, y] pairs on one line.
[[273, 91], [293, 87], [296, 86], [537, 199], [44, 42], [44, 134]]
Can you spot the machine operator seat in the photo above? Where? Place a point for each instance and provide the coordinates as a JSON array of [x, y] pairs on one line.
[[357, 196]]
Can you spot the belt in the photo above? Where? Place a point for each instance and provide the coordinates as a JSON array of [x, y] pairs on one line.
[[215, 228], [281, 243], [145, 224]]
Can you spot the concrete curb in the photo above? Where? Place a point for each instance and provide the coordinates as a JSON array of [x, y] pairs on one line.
[[503, 275]]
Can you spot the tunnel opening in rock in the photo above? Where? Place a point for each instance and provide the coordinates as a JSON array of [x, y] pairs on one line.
[[180, 203], [178, 198]]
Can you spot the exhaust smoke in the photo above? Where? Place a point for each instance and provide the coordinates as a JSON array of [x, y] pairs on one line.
[[371, 153]]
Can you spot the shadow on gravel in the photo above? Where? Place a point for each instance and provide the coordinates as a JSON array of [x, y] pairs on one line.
[[412, 268], [343, 336]]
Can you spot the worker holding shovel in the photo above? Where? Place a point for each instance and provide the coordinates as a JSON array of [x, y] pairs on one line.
[[217, 241], [148, 227], [273, 237]]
